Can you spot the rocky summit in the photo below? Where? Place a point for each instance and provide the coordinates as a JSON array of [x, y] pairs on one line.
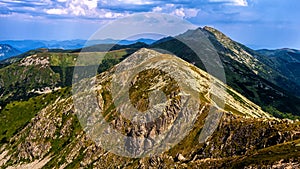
[[157, 108]]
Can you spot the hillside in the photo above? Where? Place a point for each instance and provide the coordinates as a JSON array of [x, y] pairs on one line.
[[245, 132], [42, 71], [285, 61]]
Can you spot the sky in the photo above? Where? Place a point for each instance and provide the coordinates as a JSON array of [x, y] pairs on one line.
[[256, 23]]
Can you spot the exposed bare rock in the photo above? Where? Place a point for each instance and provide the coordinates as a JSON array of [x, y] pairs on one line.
[[34, 60], [180, 157]]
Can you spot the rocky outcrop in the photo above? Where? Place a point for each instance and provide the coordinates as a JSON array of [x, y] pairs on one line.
[[36, 61]]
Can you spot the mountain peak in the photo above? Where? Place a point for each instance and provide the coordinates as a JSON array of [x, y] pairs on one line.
[[219, 35], [183, 71], [211, 29]]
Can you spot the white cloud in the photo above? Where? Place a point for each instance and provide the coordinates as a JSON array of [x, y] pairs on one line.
[[157, 9], [76, 8], [185, 12], [112, 8], [55, 11], [179, 12], [125, 2], [170, 5], [86, 8], [174, 10], [134, 2], [91, 4], [111, 15], [82, 7], [240, 2], [233, 2]]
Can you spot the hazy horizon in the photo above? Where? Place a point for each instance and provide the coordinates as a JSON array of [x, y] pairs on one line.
[[259, 24]]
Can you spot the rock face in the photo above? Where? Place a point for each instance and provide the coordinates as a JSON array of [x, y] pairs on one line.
[[66, 134]]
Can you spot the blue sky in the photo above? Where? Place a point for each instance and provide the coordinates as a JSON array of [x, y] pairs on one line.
[[257, 23]]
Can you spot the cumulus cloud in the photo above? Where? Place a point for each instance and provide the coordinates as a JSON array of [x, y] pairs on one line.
[[83, 8], [175, 10], [110, 9], [75, 7]]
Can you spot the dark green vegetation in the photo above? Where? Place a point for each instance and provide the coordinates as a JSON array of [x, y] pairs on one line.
[[17, 82], [17, 114], [285, 152], [261, 91], [285, 61], [21, 77]]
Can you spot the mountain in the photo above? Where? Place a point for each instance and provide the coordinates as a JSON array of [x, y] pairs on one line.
[[245, 137], [182, 114], [246, 70], [243, 69], [7, 51], [286, 61]]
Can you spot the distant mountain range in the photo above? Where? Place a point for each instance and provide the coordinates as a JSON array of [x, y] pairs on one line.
[[26, 45]]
